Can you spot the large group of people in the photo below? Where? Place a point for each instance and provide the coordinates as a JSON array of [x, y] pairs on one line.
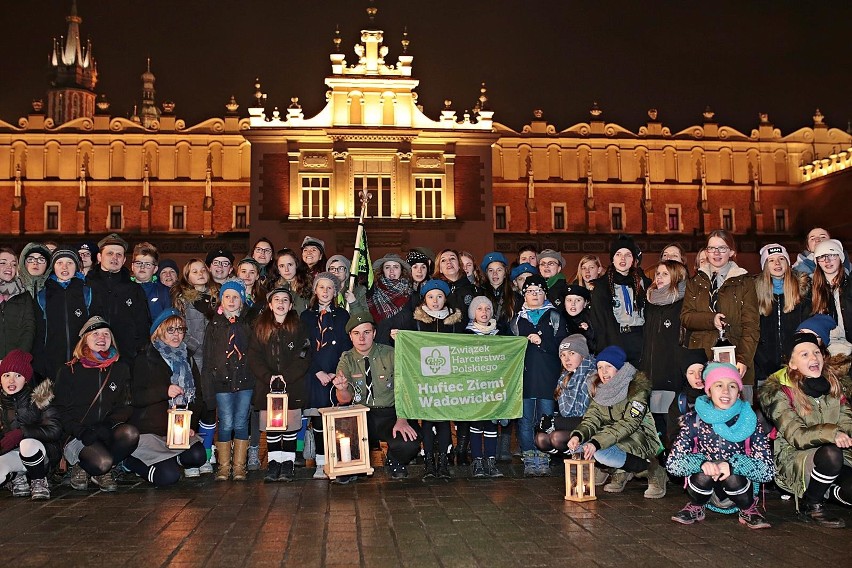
[[720, 379]]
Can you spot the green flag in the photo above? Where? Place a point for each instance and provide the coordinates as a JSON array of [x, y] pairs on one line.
[[448, 376], [365, 265]]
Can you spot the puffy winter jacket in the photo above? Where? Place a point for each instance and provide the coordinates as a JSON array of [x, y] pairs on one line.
[[17, 323], [285, 354], [30, 410]]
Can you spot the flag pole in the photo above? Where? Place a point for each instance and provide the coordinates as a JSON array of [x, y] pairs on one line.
[[359, 234]]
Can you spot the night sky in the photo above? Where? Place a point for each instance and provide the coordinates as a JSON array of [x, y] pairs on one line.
[[740, 57]]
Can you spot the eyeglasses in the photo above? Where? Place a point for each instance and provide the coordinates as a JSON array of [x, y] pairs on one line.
[[337, 269], [36, 260], [548, 263], [262, 250], [222, 263], [174, 330], [535, 291], [828, 258], [722, 250], [85, 254], [140, 264]]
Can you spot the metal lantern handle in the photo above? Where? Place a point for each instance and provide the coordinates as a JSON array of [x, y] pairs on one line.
[[283, 384], [173, 404]]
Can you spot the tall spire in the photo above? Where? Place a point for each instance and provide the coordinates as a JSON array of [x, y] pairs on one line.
[[150, 113], [73, 74]]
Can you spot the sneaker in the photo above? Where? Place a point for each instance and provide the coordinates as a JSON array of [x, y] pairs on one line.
[[39, 489], [530, 464], [253, 463], [542, 465], [657, 479], [477, 468], [190, 472], [397, 470], [19, 486], [491, 469], [319, 473], [618, 481], [689, 514], [815, 513], [79, 478], [206, 468], [105, 482], [752, 518]]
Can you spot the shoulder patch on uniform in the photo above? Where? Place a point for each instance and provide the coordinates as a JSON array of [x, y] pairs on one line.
[[637, 408]]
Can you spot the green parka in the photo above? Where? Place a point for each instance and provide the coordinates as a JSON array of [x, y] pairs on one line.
[[627, 424], [800, 435]]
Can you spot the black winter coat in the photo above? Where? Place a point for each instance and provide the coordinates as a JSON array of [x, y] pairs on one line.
[[462, 292], [421, 321], [122, 302], [603, 318], [17, 324], [335, 341], [542, 367], [221, 373], [31, 411], [149, 393], [662, 346], [77, 388], [573, 325], [775, 330], [285, 354], [58, 326]]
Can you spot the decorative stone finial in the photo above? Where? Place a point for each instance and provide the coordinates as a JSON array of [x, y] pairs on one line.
[[276, 114], [232, 105], [38, 105], [102, 104], [294, 103], [258, 94], [337, 39], [652, 114], [169, 107], [819, 118], [448, 104], [405, 41], [764, 117], [596, 110], [371, 12], [538, 113], [708, 114]]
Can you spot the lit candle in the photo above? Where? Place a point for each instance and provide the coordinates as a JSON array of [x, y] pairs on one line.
[[345, 450], [277, 420], [178, 433]]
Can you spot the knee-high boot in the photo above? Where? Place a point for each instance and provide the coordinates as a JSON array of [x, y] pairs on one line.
[[240, 456], [223, 461]]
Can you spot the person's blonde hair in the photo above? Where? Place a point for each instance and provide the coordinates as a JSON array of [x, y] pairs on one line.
[[586, 258], [171, 321], [82, 350], [765, 295], [796, 378]]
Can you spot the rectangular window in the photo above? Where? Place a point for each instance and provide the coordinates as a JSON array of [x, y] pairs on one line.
[[727, 219], [379, 187], [780, 220], [51, 216], [558, 217], [178, 218], [315, 197], [616, 214], [116, 217], [427, 196], [241, 217], [673, 219], [500, 217]]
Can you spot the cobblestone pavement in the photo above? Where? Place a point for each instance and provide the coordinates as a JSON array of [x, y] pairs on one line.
[[378, 522]]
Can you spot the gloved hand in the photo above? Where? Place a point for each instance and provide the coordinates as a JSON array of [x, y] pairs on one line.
[[546, 424], [11, 440]]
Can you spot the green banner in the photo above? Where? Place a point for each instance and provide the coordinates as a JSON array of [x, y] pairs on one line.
[[458, 376]]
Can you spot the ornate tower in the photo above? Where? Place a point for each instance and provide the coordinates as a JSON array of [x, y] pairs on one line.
[[73, 75], [149, 113]]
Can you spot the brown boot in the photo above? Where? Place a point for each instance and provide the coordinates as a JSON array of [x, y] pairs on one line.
[[240, 456], [223, 461]]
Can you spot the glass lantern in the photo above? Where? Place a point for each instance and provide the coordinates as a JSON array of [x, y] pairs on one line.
[[347, 445], [276, 405], [178, 432], [723, 350], [580, 480]]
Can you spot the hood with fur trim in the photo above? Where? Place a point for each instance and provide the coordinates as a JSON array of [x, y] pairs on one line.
[[454, 317]]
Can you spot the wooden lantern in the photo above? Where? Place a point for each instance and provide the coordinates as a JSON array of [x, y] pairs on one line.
[[178, 433], [579, 480], [347, 446], [724, 351], [276, 406]]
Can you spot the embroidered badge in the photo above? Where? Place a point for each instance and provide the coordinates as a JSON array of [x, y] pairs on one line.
[[129, 302], [290, 345], [667, 323], [467, 299], [637, 409], [78, 312], [112, 387]]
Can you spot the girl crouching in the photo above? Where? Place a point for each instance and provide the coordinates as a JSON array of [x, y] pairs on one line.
[[722, 449], [617, 429]]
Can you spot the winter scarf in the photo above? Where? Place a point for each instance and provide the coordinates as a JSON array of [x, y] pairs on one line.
[[666, 297], [615, 390], [479, 329], [99, 359], [388, 297], [178, 362], [11, 289], [440, 314], [777, 286], [744, 417], [816, 387], [534, 315], [551, 282]]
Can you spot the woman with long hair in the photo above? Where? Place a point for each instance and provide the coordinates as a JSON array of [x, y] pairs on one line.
[[829, 295], [292, 273], [262, 252], [279, 346], [389, 295], [783, 298], [498, 287], [722, 297], [589, 269], [468, 264]]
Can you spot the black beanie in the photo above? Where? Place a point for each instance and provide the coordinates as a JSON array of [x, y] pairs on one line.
[[624, 242]]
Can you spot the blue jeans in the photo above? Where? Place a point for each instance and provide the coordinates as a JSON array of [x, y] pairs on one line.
[[233, 410], [612, 456], [534, 409]]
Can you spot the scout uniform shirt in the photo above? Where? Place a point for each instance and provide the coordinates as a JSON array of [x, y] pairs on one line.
[[372, 387]]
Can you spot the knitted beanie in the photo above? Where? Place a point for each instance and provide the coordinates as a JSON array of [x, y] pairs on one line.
[[821, 325], [772, 250], [550, 253], [716, 371], [66, 253], [614, 355], [797, 339], [535, 280], [475, 303], [341, 259], [234, 284], [689, 357], [624, 242], [17, 361], [331, 278], [576, 343], [831, 246]]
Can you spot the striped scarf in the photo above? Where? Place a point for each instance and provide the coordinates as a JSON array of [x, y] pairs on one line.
[[388, 297]]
